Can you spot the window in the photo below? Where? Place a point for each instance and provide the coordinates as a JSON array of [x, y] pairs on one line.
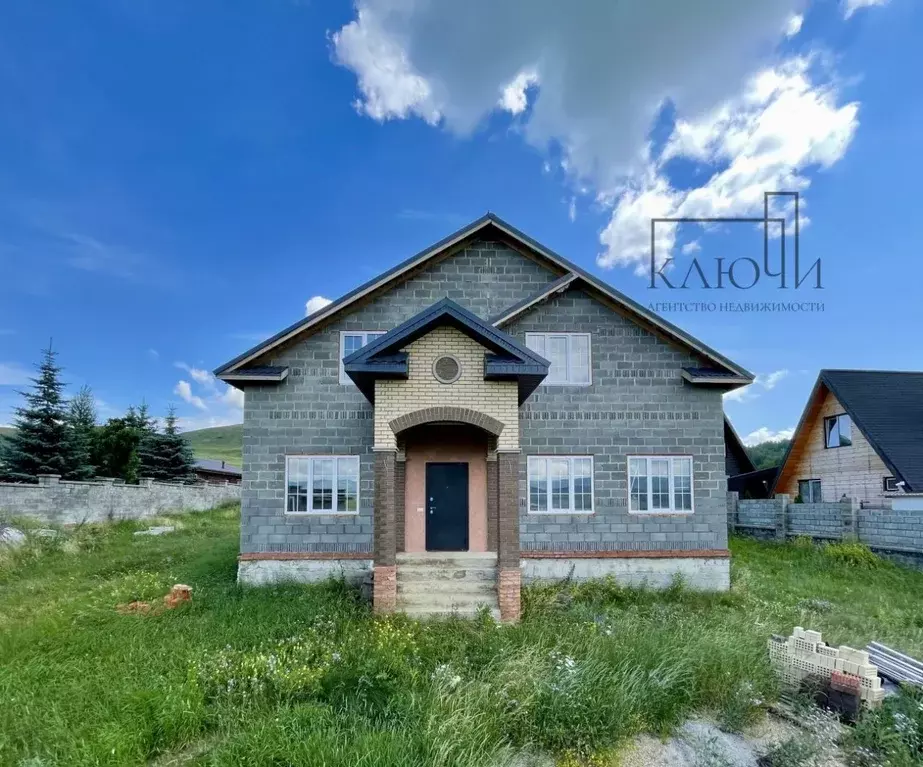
[[568, 353], [327, 484], [809, 490], [352, 341], [838, 431], [560, 484], [890, 484], [660, 484]]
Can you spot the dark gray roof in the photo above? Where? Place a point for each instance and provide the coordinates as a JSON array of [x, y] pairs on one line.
[[503, 229], [887, 406], [733, 443], [217, 467], [509, 360], [547, 290], [261, 370], [711, 373]]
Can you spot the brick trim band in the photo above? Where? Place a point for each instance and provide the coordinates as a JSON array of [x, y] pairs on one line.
[[446, 413], [657, 554], [293, 555]]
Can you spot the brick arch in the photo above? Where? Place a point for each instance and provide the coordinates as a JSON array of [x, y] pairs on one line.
[[446, 413]]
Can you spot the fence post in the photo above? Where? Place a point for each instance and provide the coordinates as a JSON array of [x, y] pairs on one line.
[[733, 496], [782, 502], [849, 511]]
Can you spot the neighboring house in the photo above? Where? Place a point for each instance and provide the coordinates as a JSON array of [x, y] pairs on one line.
[[860, 436], [208, 470], [500, 415], [742, 476]]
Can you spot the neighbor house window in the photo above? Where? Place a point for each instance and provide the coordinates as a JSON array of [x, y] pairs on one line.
[[809, 490], [322, 484], [352, 341], [560, 484], [838, 431], [660, 484], [568, 353], [890, 484]]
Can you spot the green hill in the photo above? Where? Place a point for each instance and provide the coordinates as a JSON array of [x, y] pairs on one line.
[[221, 443]]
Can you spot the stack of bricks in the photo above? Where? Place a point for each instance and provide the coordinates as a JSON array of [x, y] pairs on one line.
[[804, 655]]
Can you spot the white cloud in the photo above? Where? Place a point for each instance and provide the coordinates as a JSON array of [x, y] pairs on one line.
[[762, 382], [514, 98], [764, 434], [770, 380], [14, 374], [601, 70], [315, 303], [591, 80], [793, 25], [153, 354], [183, 390], [691, 247], [202, 377], [762, 140], [851, 6], [233, 398]]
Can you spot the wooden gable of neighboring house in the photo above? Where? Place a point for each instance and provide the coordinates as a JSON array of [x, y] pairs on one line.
[[885, 411]]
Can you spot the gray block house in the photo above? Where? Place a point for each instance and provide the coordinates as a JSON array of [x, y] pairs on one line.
[[484, 414]]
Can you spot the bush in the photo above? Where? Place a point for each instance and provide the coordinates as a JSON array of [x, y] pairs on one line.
[[892, 734], [803, 542], [852, 554]]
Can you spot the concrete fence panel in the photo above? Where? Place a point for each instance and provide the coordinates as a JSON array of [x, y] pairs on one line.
[[72, 503]]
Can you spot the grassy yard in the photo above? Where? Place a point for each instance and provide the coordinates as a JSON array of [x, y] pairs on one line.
[[220, 443], [304, 675]]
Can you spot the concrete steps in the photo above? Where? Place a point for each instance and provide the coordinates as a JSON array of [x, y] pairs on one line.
[[437, 584]]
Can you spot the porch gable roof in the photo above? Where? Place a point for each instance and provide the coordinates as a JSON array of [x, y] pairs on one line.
[[508, 358]]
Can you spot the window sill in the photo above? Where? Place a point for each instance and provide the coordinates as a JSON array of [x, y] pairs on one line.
[[661, 513], [564, 385], [321, 513], [561, 512]]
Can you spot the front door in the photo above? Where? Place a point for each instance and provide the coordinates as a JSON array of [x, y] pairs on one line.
[[446, 506]]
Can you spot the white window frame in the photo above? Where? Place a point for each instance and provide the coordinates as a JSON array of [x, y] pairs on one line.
[[332, 512], [532, 459], [811, 481], [650, 510], [345, 379], [532, 337], [890, 480]]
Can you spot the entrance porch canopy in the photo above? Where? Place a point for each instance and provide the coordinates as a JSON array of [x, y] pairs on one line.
[[508, 359]]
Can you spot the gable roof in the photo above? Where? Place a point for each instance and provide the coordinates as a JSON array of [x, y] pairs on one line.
[[887, 407], [217, 467], [733, 442], [488, 224], [383, 358]]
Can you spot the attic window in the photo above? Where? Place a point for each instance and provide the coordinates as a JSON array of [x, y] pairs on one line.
[[838, 431], [447, 369]]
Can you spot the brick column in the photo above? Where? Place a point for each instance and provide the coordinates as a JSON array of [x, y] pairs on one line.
[[509, 574], [384, 586], [733, 497], [400, 474], [492, 500]]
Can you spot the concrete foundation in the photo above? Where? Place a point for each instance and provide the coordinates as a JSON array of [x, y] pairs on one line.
[[703, 574], [263, 572]]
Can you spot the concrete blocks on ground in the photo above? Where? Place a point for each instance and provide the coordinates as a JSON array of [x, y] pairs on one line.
[[804, 654]]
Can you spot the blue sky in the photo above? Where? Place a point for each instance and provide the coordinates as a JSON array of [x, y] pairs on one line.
[[178, 179]]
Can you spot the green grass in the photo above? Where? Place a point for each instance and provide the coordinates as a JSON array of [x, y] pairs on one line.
[[305, 675], [221, 443]]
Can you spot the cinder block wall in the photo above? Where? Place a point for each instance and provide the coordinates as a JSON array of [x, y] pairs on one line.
[[637, 404], [72, 503], [312, 413], [886, 530]]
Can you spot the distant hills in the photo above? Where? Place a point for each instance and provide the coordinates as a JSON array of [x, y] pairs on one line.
[[220, 443]]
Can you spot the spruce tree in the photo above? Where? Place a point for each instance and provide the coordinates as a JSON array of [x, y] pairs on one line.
[[179, 461], [41, 444], [81, 420], [150, 462]]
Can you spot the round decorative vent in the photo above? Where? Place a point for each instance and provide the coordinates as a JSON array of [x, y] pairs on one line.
[[446, 369]]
